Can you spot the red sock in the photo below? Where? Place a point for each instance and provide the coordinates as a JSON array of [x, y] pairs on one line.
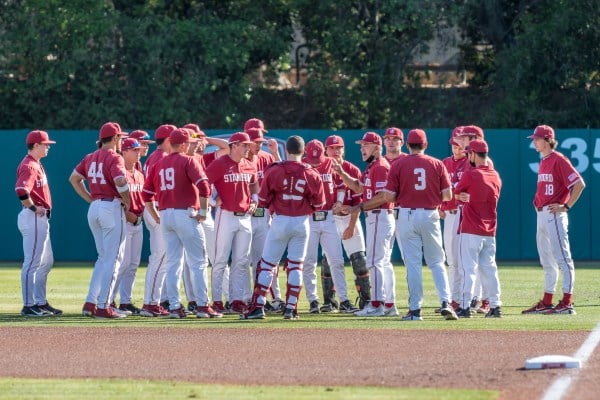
[[547, 300], [567, 298], [376, 303], [389, 305]]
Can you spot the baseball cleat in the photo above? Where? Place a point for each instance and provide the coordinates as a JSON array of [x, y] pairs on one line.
[[412, 315], [314, 307], [370, 311], [35, 311], [207, 312], [484, 307], [219, 307], [107, 313], [448, 312], [291, 313], [238, 307], [561, 308], [464, 312], [191, 307], [178, 313], [347, 307], [495, 312], [89, 309], [328, 308], [254, 313], [275, 306], [538, 308], [127, 307], [391, 311], [154, 310], [50, 309]]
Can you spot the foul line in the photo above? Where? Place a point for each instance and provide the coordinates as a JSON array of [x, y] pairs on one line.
[[562, 384]]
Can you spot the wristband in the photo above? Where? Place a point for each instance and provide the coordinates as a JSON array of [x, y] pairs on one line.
[[32, 208], [202, 212], [341, 195], [122, 189], [566, 206], [255, 197]]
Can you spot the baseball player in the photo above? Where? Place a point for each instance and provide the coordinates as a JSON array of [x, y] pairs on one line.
[[261, 219], [155, 272], [348, 225], [379, 220], [419, 183], [131, 151], [144, 140], [323, 231], [479, 190], [182, 190], [463, 136], [393, 140], [294, 190], [449, 211], [559, 186], [208, 224], [108, 195], [34, 192], [234, 178]]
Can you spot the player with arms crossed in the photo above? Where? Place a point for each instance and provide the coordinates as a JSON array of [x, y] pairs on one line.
[[559, 186], [479, 190], [108, 196], [379, 220], [293, 190], [34, 192]]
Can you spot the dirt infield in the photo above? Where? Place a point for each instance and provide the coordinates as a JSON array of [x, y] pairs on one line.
[[334, 357]]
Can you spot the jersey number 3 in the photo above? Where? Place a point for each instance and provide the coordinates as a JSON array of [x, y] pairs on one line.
[[421, 179]]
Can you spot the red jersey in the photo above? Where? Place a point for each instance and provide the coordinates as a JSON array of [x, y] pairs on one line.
[[176, 181], [152, 159], [135, 181], [375, 179], [32, 180], [455, 170], [331, 182], [556, 176], [208, 158], [232, 181], [291, 188], [100, 169], [418, 181], [392, 161], [353, 171], [479, 214], [261, 161]]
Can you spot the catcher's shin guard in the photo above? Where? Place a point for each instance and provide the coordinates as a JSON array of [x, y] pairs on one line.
[[362, 281], [327, 283], [263, 281], [294, 283]]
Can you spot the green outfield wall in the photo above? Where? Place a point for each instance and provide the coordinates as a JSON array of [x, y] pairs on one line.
[[512, 152]]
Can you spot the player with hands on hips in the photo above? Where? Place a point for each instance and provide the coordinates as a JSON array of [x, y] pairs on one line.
[[234, 178], [33, 191], [108, 195], [182, 190], [323, 231], [348, 225], [293, 190], [479, 190], [559, 186], [131, 151], [379, 219]]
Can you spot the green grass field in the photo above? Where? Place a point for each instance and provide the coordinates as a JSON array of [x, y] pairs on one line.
[[522, 285]]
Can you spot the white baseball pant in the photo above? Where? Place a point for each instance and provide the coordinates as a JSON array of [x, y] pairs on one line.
[[131, 261], [421, 235], [380, 231], [155, 272], [107, 223], [37, 257]]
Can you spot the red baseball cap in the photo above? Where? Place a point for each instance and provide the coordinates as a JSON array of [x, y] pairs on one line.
[[240, 137], [141, 136], [370, 137], [164, 131], [477, 146], [111, 129], [394, 132], [130, 143], [254, 123], [180, 136], [471, 130], [453, 142], [416, 136], [456, 131], [195, 130], [314, 152], [38, 137], [542, 131], [255, 135], [334, 141]]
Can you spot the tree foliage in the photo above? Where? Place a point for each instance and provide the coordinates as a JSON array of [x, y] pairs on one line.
[[75, 64]]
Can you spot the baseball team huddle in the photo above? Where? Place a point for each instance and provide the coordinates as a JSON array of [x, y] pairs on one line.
[[250, 214]]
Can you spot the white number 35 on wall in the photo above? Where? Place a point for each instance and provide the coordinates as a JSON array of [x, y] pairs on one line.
[[575, 149]]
